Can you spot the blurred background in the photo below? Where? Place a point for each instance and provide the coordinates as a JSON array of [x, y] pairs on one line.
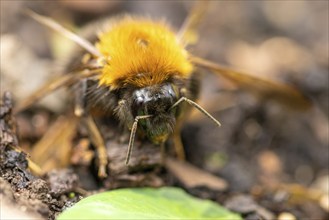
[[261, 146]]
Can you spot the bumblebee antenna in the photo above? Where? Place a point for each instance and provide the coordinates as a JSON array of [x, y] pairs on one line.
[[132, 135], [194, 104]]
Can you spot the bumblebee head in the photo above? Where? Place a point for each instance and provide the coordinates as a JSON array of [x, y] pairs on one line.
[[153, 100], [157, 101]]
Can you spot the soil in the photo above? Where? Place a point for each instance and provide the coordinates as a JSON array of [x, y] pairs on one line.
[[265, 162]]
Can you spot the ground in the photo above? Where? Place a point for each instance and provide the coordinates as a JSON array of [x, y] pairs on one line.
[[265, 161]]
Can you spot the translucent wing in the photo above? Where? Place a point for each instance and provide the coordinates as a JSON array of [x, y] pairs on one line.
[[188, 32], [65, 32], [262, 87], [63, 80]]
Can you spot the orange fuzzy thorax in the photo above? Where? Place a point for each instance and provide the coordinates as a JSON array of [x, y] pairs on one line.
[[141, 52]]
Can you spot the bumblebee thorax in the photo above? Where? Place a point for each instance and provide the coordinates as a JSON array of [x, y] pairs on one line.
[[141, 52]]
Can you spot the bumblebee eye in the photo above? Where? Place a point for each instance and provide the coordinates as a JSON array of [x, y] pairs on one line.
[[139, 97], [171, 92]]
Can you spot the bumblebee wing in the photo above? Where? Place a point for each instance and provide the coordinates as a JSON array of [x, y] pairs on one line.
[[262, 87], [61, 81], [188, 32], [65, 32]]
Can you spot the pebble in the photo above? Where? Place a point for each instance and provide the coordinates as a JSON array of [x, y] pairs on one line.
[[324, 202], [286, 216]]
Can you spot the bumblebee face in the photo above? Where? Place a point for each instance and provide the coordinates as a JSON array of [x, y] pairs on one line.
[[157, 101]]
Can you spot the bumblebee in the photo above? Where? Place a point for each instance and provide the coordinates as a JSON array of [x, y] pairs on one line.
[[139, 71]]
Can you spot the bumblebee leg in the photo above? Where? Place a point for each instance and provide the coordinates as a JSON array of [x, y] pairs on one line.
[[98, 141], [94, 133], [35, 169], [163, 153], [178, 144], [62, 81], [80, 98]]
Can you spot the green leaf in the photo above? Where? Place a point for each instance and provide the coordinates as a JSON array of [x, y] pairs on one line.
[[146, 203]]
